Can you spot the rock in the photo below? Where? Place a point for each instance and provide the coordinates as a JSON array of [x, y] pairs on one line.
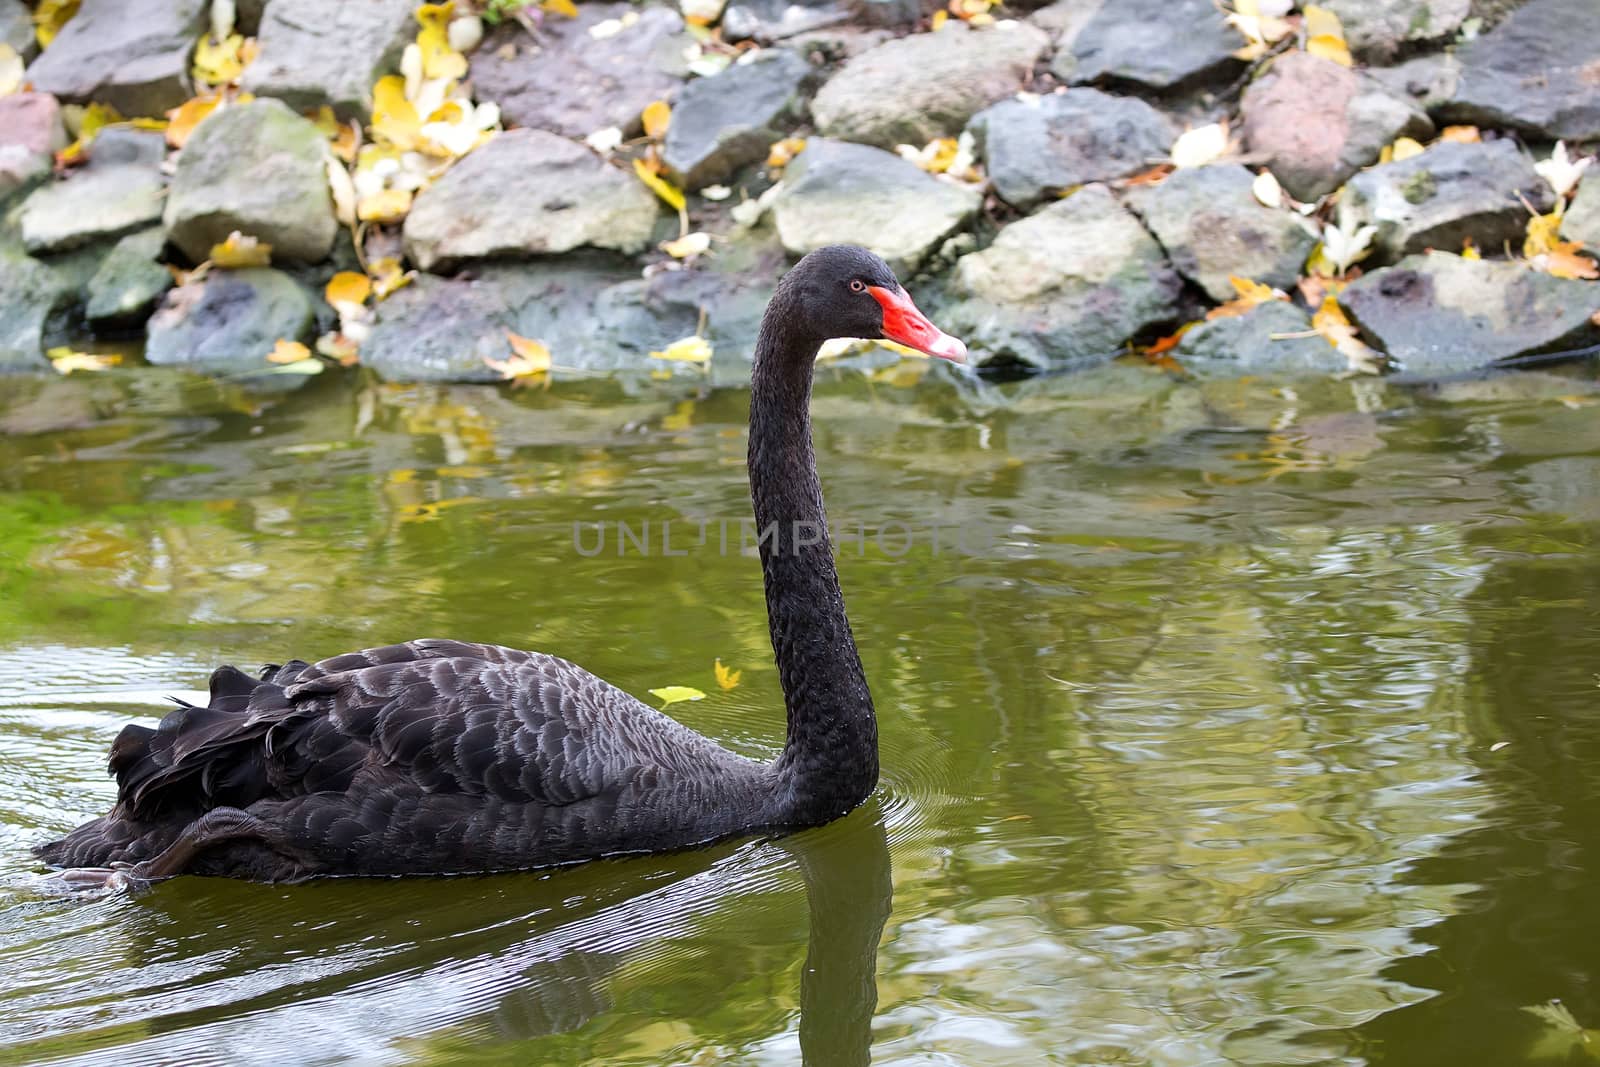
[[16, 29], [1427, 81], [129, 281], [1156, 44], [227, 322], [31, 295], [927, 85], [131, 54], [1446, 194], [728, 121], [1440, 314], [119, 190], [1538, 71], [1316, 123], [30, 133], [840, 193], [1378, 29], [1243, 344], [574, 84], [314, 53], [256, 168], [528, 192], [1212, 226], [1035, 147], [1581, 222], [774, 20], [1064, 287], [895, 13]]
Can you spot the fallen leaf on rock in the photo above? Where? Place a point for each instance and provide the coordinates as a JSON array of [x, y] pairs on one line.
[[460, 126], [11, 70], [394, 118], [1251, 294], [726, 678], [1343, 244], [673, 694], [973, 12], [220, 62], [342, 189], [690, 244], [716, 192], [1266, 189], [695, 349], [1561, 170], [1460, 134], [938, 21], [1564, 261], [389, 205], [1543, 234], [1335, 327], [611, 27], [1403, 148], [781, 152], [1325, 35], [48, 18], [1201, 145], [286, 351], [67, 360], [1262, 25], [664, 189], [339, 348], [1469, 249], [239, 251], [465, 32], [656, 117], [439, 59], [347, 287], [388, 275], [182, 119], [565, 8], [529, 359]]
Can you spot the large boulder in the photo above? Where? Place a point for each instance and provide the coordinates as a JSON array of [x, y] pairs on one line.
[[129, 281], [31, 296], [1037, 146], [840, 193], [119, 190], [131, 54], [1441, 314], [1536, 71], [30, 134], [574, 82], [528, 192], [16, 29], [314, 53], [776, 20], [1212, 226], [1581, 221], [729, 120], [927, 85], [1273, 338], [1064, 287], [1154, 44], [1446, 194], [1315, 123], [1380, 29], [257, 168], [229, 321]]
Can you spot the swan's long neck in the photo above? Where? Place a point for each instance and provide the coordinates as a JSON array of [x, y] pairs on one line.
[[830, 759]]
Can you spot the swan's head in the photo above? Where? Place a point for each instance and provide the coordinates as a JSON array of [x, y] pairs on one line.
[[846, 291]]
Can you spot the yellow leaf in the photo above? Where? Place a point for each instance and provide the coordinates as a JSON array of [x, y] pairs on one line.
[[690, 244], [66, 360], [672, 694], [938, 20], [1563, 261], [657, 116], [11, 70], [1320, 22], [1543, 234], [186, 116], [782, 151], [96, 117], [239, 251], [695, 350], [218, 62], [659, 185], [527, 348], [394, 118], [388, 275], [529, 359], [339, 348], [1250, 295], [286, 351], [50, 16], [1460, 134], [1331, 322], [1469, 249], [439, 60], [390, 205], [726, 678], [565, 8], [1403, 148], [347, 287], [1330, 47]]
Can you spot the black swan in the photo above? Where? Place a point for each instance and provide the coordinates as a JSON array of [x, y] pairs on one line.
[[436, 757]]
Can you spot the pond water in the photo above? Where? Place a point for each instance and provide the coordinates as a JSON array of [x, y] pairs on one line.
[[1240, 723]]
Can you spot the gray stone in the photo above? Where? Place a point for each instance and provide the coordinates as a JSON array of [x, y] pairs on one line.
[[31, 295], [1581, 222], [528, 192], [16, 29], [573, 84], [257, 168], [927, 85], [1244, 344], [1537, 71], [119, 190], [30, 134], [1439, 313], [314, 53], [729, 120], [227, 322], [131, 54], [1063, 21], [1378, 29], [1212, 226], [1036, 147], [1064, 287], [130, 281], [1429, 81], [775, 20], [1446, 194], [840, 193], [1315, 123], [1156, 44], [894, 13]]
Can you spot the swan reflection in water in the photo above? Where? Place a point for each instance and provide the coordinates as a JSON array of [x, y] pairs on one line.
[[421, 969]]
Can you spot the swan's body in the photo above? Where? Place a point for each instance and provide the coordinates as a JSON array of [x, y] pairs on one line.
[[435, 757]]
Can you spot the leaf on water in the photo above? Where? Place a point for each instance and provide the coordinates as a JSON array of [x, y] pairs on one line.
[[1561, 170], [286, 351], [671, 194], [673, 694], [11, 70], [439, 60], [1267, 190], [219, 62], [389, 205], [726, 677], [1201, 145], [1251, 294], [347, 287], [690, 244], [781, 152], [67, 360], [388, 275], [239, 251], [696, 350], [1460, 134], [394, 118], [656, 117], [1403, 148], [182, 119], [48, 18], [529, 359]]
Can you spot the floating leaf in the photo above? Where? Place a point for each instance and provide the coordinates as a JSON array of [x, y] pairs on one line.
[[341, 349], [218, 62], [696, 350], [286, 351], [394, 118], [239, 251], [66, 360], [668, 192], [690, 244], [726, 678], [49, 16], [390, 205], [11, 70], [673, 694], [1201, 145], [347, 287], [656, 117], [781, 152], [182, 119]]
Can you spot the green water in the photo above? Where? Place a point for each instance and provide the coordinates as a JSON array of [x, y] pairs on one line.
[[1253, 724]]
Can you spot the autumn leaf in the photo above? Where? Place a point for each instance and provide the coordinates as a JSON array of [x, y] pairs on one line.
[[1561, 170], [673, 694], [1563, 261], [1201, 145], [1262, 25], [307, 367], [1325, 35], [690, 244], [347, 287], [286, 351], [938, 21], [240, 251], [459, 126], [339, 348], [1335, 327], [182, 119], [1460, 134], [781, 152], [11, 70], [1343, 244], [1266, 189], [219, 62], [1403, 148], [1251, 294], [48, 18], [671, 194], [67, 360], [726, 678], [696, 350], [565, 8], [656, 117], [1542, 234], [394, 118], [388, 275], [529, 359], [341, 188], [973, 12], [439, 59], [390, 205], [1469, 249]]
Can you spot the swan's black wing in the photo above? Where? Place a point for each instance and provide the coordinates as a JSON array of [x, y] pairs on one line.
[[428, 755]]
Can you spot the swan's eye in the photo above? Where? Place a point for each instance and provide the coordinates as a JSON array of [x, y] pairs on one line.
[[857, 285]]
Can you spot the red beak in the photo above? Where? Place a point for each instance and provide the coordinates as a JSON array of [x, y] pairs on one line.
[[902, 322]]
